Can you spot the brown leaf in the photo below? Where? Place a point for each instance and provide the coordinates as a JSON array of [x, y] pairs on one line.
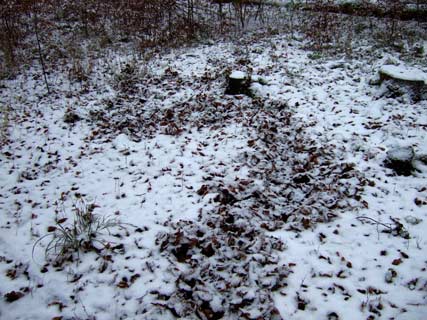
[[396, 262], [203, 190], [245, 182], [123, 284], [341, 274], [208, 250], [404, 255], [13, 296], [372, 290], [306, 223], [51, 229], [134, 277]]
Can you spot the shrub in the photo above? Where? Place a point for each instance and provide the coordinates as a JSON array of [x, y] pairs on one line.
[[11, 33], [4, 124], [322, 26], [126, 76], [392, 9], [87, 232]]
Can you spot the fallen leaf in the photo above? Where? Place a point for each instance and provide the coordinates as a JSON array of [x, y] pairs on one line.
[[13, 296], [396, 262]]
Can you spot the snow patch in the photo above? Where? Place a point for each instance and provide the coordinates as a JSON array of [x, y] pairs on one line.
[[238, 75], [404, 73]]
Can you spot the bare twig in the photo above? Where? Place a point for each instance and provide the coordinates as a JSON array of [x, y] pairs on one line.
[[39, 49], [396, 229]]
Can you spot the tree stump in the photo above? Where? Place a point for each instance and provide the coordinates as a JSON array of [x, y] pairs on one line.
[[410, 79], [238, 83], [400, 160]]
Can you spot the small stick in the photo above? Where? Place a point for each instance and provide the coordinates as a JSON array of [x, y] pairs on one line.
[[36, 30]]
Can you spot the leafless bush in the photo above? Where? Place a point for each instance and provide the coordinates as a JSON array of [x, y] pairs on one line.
[[143, 24], [19, 20], [392, 10], [86, 232], [330, 24], [321, 26], [11, 33], [5, 112]]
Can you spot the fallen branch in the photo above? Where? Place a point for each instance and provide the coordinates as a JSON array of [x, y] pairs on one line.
[[397, 230]]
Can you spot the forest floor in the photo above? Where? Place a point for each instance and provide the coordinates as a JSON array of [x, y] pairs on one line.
[[272, 206]]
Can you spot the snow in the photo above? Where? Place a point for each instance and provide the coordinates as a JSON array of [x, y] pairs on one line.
[[313, 147], [238, 75], [404, 73], [401, 153], [413, 220]]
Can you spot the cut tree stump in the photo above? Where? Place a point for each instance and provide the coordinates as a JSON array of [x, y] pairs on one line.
[[400, 160], [238, 83], [410, 79]]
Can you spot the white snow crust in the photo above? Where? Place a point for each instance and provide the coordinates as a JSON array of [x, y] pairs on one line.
[[404, 73], [401, 153], [238, 75]]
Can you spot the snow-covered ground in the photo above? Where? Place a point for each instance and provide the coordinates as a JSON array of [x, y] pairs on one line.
[[296, 173]]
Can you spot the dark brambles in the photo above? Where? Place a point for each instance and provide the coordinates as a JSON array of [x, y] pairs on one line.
[[66, 28], [11, 35], [333, 25], [321, 25], [144, 24]]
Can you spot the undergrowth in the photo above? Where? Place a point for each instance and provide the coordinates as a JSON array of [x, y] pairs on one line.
[[86, 231], [4, 124]]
